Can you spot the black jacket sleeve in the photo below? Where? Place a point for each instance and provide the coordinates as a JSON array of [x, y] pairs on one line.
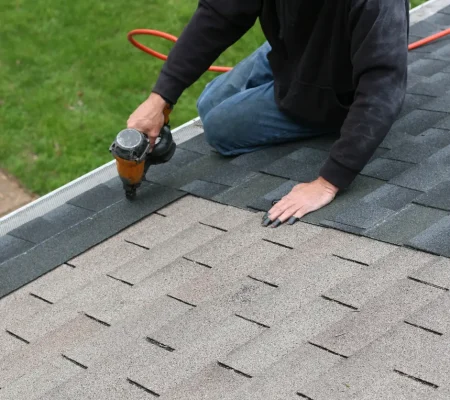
[[215, 26], [379, 47]]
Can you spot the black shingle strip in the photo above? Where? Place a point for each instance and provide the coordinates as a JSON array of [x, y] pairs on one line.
[[422, 381], [50, 224], [11, 246], [64, 246], [406, 224], [197, 144], [204, 189], [436, 85], [417, 101], [427, 67], [385, 169], [97, 198], [435, 239], [423, 177], [363, 215], [180, 159], [302, 165], [438, 197], [392, 197], [244, 194], [259, 159]]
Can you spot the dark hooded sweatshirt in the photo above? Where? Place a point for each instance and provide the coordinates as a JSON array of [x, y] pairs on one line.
[[339, 64]]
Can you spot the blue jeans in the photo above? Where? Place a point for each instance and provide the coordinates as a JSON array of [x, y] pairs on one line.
[[239, 112]]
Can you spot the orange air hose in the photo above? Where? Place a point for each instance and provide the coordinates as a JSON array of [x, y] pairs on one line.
[[172, 38]]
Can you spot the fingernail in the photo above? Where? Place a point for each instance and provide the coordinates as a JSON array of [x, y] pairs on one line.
[[276, 224], [292, 220], [275, 202], [266, 215], [267, 222]]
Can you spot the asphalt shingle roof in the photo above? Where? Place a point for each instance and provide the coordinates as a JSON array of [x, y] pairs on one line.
[[183, 295]]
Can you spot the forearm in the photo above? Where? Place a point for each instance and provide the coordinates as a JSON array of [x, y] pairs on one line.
[[215, 26]]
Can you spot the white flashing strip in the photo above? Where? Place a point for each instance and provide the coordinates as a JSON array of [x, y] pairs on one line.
[[427, 9], [72, 189]]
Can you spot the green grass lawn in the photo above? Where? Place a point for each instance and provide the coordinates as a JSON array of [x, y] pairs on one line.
[[69, 79]]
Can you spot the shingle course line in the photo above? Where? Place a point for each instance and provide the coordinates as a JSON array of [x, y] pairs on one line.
[[327, 350], [252, 321], [16, 336], [427, 283], [423, 328], [234, 370], [74, 361], [40, 298], [340, 302], [424, 382], [134, 383]]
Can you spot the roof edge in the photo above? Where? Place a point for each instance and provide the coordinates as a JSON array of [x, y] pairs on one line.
[[85, 182]]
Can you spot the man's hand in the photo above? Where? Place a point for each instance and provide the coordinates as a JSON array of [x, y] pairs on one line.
[[148, 117], [303, 199]]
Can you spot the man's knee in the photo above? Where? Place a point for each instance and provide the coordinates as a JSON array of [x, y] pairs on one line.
[[220, 130]]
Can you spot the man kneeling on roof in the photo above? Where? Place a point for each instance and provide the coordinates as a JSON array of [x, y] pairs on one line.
[[328, 67]]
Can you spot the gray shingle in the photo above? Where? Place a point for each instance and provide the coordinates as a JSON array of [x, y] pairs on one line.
[[362, 215], [213, 382], [441, 103], [427, 67], [417, 101], [141, 321], [37, 353], [300, 281], [229, 272], [396, 138], [436, 274], [97, 198], [197, 144], [9, 343], [244, 194], [435, 85], [406, 224], [411, 152], [302, 165], [229, 175], [259, 159], [210, 314], [228, 218], [37, 382], [204, 189], [376, 317], [50, 224], [364, 250], [385, 169], [182, 243], [281, 380], [396, 387], [180, 160], [392, 197], [436, 239], [433, 316], [19, 306], [438, 197], [384, 273], [422, 177], [11, 246], [164, 374], [287, 336]]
